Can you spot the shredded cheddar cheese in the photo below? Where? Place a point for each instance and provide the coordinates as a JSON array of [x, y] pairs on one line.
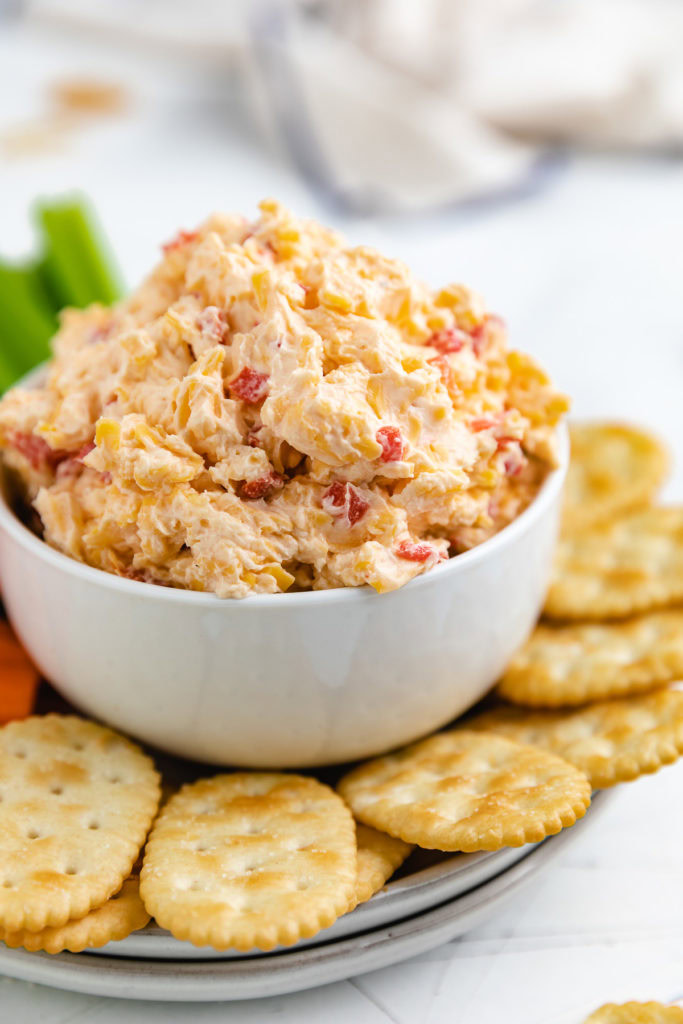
[[273, 410]]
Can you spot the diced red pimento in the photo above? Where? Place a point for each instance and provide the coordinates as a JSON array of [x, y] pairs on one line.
[[102, 332], [451, 339], [515, 460], [72, 464], [36, 450], [258, 488], [391, 440], [416, 551], [253, 436], [178, 241], [88, 447], [505, 442], [479, 339], [454, 339], [212, 323], [68, 468], [441, 364], [481, 333], [482, 423], [250, 385], [342, 499]]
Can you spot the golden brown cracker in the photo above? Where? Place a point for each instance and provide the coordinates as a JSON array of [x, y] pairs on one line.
[[463, 790], [250, 860], [76, 802], [636, 1013], [611, 741], [122, 914], [614, 468], [621, 568], [379, 855], [570, 665]]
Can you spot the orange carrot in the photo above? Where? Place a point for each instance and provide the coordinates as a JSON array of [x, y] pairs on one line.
[[18, 677]]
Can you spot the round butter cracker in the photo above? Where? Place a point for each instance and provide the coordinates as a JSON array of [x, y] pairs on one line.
[[611, 741], [76, 803], [250, 860], [620, 568], [122, 914], [570, 665], [467, 791], [614, 468], [379, 855], [636, 1013]]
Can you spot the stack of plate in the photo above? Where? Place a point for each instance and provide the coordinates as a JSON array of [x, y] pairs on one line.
[[425, 905]]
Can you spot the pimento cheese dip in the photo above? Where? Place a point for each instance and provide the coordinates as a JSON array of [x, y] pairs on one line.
[[272, 409]]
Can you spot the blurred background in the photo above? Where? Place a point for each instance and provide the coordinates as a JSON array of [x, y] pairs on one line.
[[530, 148]]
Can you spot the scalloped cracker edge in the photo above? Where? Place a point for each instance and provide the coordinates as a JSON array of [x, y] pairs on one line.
[[621, 568], [77, 803], [114, 920], [562, 666], [379, 855], [250, 860], [611, 741], [614, 468], [467, 791]]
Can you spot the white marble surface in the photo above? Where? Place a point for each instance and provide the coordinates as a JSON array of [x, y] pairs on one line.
[[587, 273]]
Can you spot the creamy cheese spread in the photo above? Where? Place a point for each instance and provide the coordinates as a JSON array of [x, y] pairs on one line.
[[273, 409]]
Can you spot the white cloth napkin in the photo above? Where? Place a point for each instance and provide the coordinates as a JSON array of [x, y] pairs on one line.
[[407, 104]]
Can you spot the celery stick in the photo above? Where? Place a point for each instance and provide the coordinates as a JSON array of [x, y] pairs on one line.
[[77, 268], [63, 262], [37, 286], [26, 321], [49, 286], [102, 270], [7, 374]]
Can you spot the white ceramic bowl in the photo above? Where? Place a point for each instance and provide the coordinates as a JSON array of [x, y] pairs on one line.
[[285, 680]]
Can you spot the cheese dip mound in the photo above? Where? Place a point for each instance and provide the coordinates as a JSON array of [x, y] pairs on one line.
[[272, 409]]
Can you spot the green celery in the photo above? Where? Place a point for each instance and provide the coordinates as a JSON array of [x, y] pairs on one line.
[[7, 374], [26, 321], [77, 269], [74, 269]]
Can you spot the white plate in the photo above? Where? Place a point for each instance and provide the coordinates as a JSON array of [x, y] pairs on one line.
[[293, 970], [411, 894]]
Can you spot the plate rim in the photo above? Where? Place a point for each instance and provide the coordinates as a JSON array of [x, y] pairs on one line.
[[395, 901], [291, 970]]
